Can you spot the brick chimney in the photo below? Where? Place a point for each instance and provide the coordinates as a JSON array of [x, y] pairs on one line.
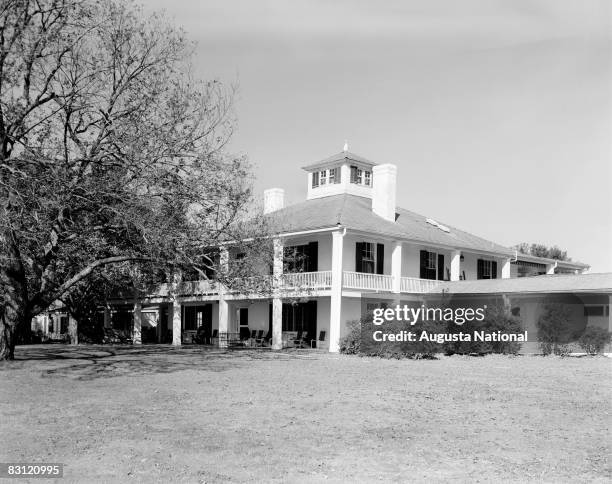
[[274, 199], [384, 181]]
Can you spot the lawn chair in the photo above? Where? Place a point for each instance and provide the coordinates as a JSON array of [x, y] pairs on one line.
[[314, 343], [259, 338], [300, 341], [200, 336], [267, 339], [215, 336]]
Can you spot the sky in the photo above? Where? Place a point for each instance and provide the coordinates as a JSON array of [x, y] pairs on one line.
[[498, 114]]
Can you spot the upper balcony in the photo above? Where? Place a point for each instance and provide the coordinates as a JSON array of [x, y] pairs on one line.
[[300, 282]]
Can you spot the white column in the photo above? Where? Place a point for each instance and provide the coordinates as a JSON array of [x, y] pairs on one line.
[[175, 310], [137, 333], [277, 303], [277, 323], [396, 266], [550, 268], [107, 318], [223, 318], [455, 265], [505, 272], [335, 312]]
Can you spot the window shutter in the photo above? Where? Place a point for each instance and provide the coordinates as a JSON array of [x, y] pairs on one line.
[[423, 264], [380, 258], [312, 257], [315, 179], [358, 256], [337, 177], [440, 267], [494, 269], [353, 174], [479, 268]]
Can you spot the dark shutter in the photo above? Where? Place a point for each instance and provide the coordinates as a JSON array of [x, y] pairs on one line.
[[380, 258], [440, 267], [358, 256], [315, 179], [494, 270], [423, 264], [337, 177], [312, 257], [353, 174], [479, 269]]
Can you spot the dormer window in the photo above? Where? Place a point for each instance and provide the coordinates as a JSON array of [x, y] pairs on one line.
[[361, 177], [330, 176]]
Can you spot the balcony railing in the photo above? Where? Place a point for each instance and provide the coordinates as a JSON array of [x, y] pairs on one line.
[[307, 280], [320, 280], [373, 282], [416, 285]]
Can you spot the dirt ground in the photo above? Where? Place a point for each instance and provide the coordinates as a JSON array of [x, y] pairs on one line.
[[159, 414]]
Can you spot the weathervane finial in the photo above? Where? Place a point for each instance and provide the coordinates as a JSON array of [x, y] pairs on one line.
[[345, 145]]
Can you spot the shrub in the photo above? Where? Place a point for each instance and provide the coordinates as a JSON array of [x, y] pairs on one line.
[[496, 319], [358, 340], [594, 339], [555, 330], [350, 344]]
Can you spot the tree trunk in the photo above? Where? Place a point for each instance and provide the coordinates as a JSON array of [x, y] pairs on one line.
[[13, 281]]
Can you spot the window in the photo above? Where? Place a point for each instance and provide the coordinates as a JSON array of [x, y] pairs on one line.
[[323, 177], [432, 265], [301, 258], [486, 269], [315, 179], [353, 174], [356, 175], [432, 260], [334, 175], [368, 178], [594, 310], [369, 257]]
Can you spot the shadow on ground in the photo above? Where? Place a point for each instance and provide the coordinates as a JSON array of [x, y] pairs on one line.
[[88, 362]]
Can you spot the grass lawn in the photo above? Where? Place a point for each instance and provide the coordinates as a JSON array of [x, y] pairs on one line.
[[159, 414]]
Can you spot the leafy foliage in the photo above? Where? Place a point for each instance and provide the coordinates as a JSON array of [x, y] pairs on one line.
[[594, 339], [110, 153], [540, 250]]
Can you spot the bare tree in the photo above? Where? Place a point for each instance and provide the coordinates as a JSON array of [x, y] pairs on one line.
[[110, 152]]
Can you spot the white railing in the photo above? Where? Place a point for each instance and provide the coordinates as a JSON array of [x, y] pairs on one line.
[[416, 285], [374, 282], [307, 280]]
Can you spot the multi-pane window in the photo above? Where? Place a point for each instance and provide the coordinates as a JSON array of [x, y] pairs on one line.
[[432, 265], [367, 258], [323, 177], [432, 260], [361, 177], [486, 269], [332, 175]]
